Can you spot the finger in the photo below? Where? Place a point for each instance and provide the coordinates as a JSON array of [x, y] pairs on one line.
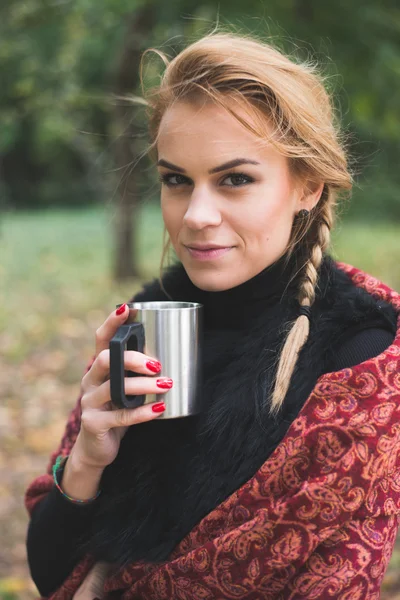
[[109, 328], [133, 386], [133, 361], [103, 421]]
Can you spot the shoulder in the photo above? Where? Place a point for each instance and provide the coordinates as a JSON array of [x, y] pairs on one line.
[[341, 297], [358, 324], [360, 345]]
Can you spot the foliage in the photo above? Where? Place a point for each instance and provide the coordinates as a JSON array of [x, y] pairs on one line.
[[58, 62]]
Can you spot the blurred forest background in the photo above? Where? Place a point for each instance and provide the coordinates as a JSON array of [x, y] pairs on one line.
[[80, 226]]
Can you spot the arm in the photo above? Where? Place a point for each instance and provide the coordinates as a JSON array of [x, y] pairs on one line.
[[57, 526], [360, 345], [350, 564], [56, 531], [332, 552], [255, 557]]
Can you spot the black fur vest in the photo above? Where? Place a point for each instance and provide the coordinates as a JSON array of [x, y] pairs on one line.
[[169, 474]]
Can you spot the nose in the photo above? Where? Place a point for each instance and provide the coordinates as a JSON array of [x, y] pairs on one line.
[[202, 210]]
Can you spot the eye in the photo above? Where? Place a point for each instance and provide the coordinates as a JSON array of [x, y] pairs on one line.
[[238, 177], [166, 179]]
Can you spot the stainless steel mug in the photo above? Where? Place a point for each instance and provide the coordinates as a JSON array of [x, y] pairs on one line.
[[171, 332]]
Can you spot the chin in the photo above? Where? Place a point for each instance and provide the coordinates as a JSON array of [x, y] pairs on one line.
[[209, 281]]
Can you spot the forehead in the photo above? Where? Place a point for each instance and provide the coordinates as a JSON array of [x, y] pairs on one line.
[[208, 128]]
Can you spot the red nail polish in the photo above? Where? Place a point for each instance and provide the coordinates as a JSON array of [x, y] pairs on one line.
[[165, 383], [121, 309], [159, 407], [153, 365]]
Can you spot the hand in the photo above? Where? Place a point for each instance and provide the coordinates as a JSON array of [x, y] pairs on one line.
[[102, 425]]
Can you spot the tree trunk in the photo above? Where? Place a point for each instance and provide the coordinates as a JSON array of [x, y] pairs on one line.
[[126, 81]]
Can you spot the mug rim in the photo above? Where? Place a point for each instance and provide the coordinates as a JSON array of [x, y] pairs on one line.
[[156, 305]]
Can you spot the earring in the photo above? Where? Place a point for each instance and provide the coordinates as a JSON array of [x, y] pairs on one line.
[[303, 213]]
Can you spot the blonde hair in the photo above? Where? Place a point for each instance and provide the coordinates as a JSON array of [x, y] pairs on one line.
[[229, 68]]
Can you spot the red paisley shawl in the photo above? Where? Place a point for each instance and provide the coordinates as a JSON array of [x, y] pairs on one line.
[[317, 520]]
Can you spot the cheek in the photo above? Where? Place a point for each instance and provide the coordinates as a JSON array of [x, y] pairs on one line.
[[257, 221], [266, 217], [275, 205], [172, 218]]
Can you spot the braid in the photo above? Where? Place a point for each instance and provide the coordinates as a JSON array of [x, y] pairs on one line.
[[300, 328]]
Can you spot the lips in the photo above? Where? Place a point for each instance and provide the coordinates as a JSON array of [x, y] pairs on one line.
[[208, 254], [207, 247]]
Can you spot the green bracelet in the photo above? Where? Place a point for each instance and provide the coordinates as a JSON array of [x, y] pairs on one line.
[[60, 462]]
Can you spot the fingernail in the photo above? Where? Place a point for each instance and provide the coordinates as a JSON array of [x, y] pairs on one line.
[[121, 309], [153, 365], [165, 383], [159, 407]]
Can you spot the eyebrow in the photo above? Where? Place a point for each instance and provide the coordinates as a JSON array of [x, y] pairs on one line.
[[228, 165]]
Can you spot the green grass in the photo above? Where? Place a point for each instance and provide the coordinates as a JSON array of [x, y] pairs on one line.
[[58, 264], [47, 251], [374, 248]]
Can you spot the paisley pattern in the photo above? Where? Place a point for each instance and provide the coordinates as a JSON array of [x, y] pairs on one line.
[[317, 520]]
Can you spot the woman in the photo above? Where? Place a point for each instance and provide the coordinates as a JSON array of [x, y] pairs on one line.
[[287, 484]]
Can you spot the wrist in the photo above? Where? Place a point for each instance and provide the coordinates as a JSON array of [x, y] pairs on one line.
[[79, 482], [80, 464]]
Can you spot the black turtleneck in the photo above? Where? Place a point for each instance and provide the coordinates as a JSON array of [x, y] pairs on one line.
[[57, 524], [236, 307]]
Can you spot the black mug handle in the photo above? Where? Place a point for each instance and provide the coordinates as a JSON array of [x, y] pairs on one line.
[[131, 335]]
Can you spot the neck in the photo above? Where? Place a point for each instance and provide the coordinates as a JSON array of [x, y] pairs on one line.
[[232, 308]]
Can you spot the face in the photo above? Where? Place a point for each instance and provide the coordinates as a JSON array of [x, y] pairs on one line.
[[245, 209]]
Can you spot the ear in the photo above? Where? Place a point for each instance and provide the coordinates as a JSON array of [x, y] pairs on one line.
[[312, 191]]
